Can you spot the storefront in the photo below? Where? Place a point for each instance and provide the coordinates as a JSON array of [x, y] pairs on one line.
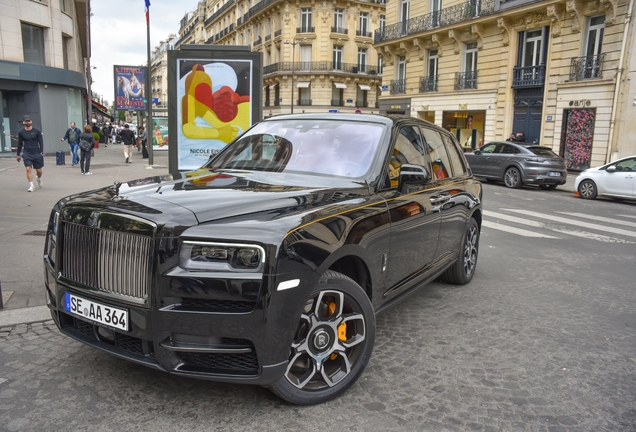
[[467, 126], [395, 106]]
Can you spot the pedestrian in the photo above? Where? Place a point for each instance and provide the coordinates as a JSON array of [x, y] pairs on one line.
[[512, 137], [102, 136], [128, 139], [143, 136], [86, 144], [31, 145], [521, 137], [72, 135]]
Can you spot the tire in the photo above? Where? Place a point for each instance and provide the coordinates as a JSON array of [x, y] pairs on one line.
[[463, 270], [587, 189], [512, 178], [321, 364], [548, 186]]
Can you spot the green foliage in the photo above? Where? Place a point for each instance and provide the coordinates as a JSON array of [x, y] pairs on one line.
[[96, 136], [121, 115]]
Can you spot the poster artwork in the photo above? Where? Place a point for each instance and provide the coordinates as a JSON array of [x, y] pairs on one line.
[[130, 84], [213, 107], [159, 133]]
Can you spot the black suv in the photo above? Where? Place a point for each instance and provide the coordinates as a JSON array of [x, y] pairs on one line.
[[267, 265]]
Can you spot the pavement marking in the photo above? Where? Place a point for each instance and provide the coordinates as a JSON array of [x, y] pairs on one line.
[[561, 230], [601, 219], [514, 230], [575, 222], [13, 317], [627, 216]]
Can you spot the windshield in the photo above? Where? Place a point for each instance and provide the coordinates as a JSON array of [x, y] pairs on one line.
[[543, 151], [341, 148]]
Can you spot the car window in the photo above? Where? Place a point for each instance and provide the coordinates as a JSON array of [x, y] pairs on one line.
[[488, 148], [409, 149], [437, 151], [507, 149], [543, 151], [329, 147], [626, 165], [457, 161]]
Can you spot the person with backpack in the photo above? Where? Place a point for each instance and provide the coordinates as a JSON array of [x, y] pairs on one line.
[[72, 135], [86, 145]]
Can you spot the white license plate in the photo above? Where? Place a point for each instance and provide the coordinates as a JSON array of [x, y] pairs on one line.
[[101, 314], [554, 174]]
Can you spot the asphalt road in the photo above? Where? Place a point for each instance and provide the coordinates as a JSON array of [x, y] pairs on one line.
[[542, 339]]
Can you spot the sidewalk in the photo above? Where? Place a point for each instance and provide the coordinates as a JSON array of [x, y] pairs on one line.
[[24, 217]]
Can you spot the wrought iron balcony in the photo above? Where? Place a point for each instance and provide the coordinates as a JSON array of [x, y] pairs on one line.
[[397, 86], [339, 30], [257, 42], [303, 102], [266, 102], [447, 16], [322, 66], [465, 80], [305, 29], [362, 104], [590, 67], [528, 76], [428, 84], [337, 102], [277, 33], [363, 33], [276, 102], [270, 69], [268, 37]]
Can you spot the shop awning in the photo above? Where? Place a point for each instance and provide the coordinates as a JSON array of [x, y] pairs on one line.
[[273, 86], [364, 87], [340, 85], [100, 113], [303, 84]]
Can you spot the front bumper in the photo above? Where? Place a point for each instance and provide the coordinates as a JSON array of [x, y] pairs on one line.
[[238, 346]]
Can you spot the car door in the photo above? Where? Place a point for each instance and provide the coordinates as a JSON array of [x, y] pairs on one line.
[[478, 160], [415, 219], [500, 160], [620, 182]]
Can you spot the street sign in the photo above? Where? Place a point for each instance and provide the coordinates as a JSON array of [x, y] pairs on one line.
[[333, 110], [385, 88], [349, 100], [155, 100]]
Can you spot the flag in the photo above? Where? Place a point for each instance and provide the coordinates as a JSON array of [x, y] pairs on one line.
[[147, 10]]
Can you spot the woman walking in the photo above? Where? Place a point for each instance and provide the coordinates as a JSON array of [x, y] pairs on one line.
[[86, 144]]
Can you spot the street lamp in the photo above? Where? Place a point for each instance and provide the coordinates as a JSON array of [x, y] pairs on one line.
[[293, 44]]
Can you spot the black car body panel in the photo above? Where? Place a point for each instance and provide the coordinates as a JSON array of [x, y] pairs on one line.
[[120, 247]]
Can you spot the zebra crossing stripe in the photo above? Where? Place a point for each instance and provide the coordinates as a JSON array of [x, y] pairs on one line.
[[514, 230], [601, 219], [575, 222]]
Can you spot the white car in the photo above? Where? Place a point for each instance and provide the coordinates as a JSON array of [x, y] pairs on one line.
[[615, 180]]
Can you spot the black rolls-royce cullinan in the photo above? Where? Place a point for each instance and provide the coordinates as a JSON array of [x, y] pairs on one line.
[[267, 265]]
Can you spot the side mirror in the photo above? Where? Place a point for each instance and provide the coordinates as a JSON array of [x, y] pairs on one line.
[[611, 168], [412, 178], [477, 152]]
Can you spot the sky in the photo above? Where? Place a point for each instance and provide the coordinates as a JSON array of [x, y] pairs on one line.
[[118, 35]]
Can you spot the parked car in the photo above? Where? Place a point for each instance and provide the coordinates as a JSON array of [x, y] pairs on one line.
[[615, 180], [267, 265], [518, 165]]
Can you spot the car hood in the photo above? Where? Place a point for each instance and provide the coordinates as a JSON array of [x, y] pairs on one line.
[[213, 195]]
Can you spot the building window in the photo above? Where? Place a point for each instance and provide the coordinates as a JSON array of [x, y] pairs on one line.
[[337, 57], [468, 78], [404, 16], [379, 65], [429, 82], [339, 21], [63, 6], [33, 44], [305, 20], [65, 42], [362, 60], [436, 7], [382, 22], [398, 85], [363, 24]]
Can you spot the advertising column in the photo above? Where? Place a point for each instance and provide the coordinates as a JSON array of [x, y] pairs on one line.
[[214, 96]]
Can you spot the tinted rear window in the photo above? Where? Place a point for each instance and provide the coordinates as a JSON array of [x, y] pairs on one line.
[[543, 151]]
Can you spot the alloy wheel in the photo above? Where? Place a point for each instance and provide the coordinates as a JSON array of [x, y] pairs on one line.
[[512, 177], [470, 250]]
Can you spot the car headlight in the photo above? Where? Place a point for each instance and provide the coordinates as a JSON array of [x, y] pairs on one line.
[[208, 256]]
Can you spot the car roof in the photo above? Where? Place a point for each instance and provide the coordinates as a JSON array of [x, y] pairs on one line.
[[519, 145]]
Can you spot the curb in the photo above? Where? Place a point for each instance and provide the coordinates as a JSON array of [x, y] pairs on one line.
[[30, 315]]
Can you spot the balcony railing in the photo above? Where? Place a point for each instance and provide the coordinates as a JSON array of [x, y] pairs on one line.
[[216, 14], [528, 76], [465, 80], [363, 33], [277, 102], [397, 86], [266, 102], [268, 37], [447, 16], [337, 102], [339, 30], [428, 84], [303, 102], [589, 67], [321, 66], [305, 29], [362, 104], [257, 42], [277, 33]]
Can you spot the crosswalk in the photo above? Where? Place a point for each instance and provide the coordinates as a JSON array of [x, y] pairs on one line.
[[557, 225]]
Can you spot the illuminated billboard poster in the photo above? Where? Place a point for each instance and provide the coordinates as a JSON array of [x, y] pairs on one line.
[[214, 106], [159, 133], [130, 88]]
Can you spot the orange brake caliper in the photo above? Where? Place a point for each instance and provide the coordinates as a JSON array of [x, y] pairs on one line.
[[342, 328]]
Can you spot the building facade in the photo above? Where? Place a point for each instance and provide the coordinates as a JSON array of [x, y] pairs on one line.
[[318, 56], [43, 46], [159, 73], [557, 70]]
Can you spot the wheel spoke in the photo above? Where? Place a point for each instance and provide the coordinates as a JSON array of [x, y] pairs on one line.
[[302, 332], [302, 380], [357, 320], [339, 373], [329, 296]]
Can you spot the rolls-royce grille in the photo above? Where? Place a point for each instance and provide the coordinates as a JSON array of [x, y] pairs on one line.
[[108, 261]]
